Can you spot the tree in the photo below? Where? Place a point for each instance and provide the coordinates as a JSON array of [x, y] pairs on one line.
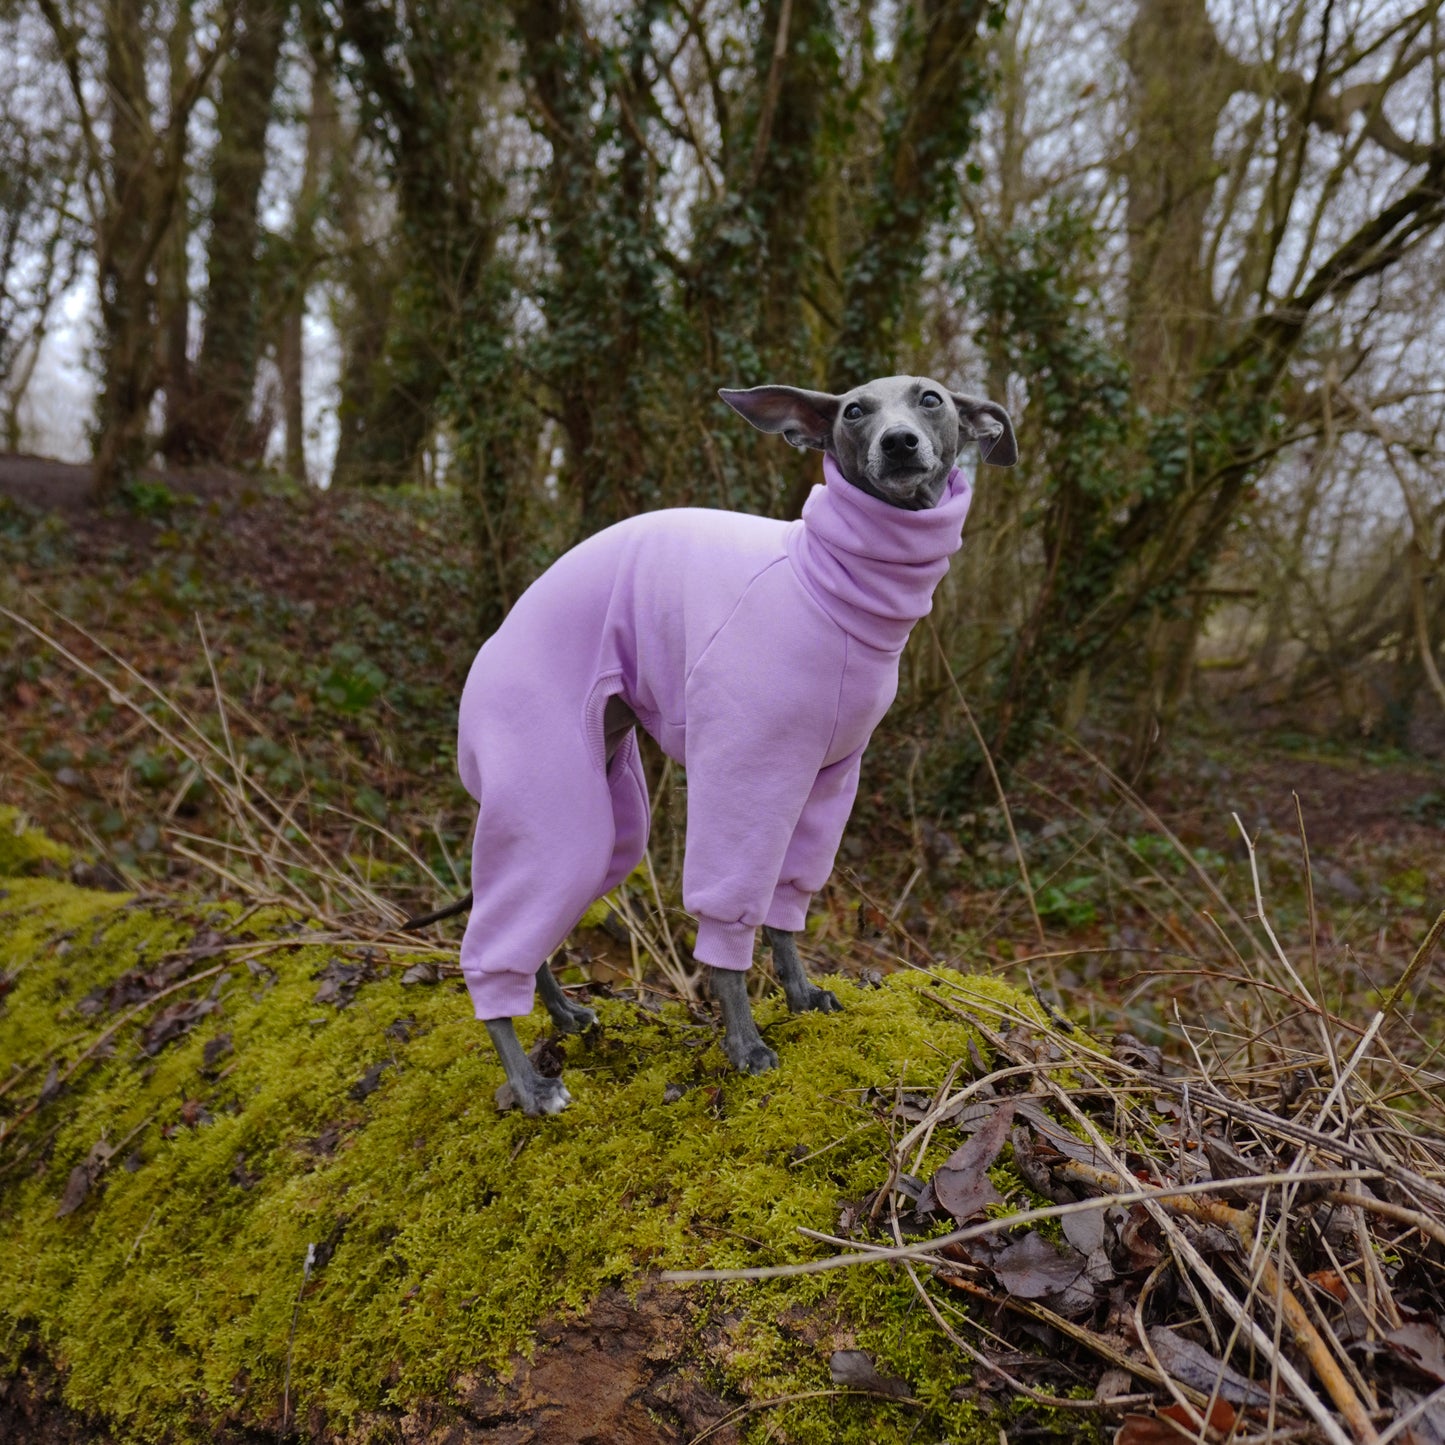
[[134, 164], [1153, 438], [212, 422]]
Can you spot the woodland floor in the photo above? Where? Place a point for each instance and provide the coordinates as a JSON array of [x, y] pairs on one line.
[[340, 629]]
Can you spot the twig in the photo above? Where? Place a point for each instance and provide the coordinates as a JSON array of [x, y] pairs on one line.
[[291, 1342], [925, 1249], [1417, 964]]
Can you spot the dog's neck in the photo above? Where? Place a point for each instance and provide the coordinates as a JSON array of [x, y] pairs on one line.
[[871, 566]]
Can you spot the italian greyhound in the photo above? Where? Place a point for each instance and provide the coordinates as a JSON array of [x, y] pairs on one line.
[[771, 784]]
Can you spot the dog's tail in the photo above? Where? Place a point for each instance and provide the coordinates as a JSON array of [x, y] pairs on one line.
[[422, 920]]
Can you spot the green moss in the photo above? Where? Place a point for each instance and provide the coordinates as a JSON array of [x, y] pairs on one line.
[[452, 1230], [23, 849]]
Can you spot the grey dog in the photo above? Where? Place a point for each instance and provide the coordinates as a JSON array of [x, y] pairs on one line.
[[897, 439]]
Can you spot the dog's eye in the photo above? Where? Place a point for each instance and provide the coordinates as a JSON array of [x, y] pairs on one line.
[[852, 411], [930, 399]]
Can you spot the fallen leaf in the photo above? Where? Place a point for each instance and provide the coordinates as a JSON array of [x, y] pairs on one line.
[[422, 973], [961, 1183], [1330, 1283], [1034, 1269], [1193, 1365], [1419, 1344], [215, 1050], [174, 1021], [1426, 1415], [855, 1371], [1222, 1416], [1086, 1230], [1113, 1383], [369, 1082], [1149, 1430], [76, 1188]]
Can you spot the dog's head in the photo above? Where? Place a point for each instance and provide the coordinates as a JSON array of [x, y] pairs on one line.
[[896, 438]]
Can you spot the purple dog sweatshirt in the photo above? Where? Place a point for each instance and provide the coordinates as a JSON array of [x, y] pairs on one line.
[[759, 654]]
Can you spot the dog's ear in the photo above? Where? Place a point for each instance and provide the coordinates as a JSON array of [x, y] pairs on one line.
[[805, 418], [988, 425]]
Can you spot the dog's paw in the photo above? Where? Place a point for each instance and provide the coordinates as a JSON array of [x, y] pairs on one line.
[[815, 1000], [752, 1057], [575, 1018], [540, 1097]]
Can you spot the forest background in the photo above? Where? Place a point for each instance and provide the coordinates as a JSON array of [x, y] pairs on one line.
[[496, 259]]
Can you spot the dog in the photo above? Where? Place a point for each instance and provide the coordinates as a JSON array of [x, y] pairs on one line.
[[759, 654]]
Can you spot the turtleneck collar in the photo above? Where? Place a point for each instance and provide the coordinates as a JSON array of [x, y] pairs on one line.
[[873, 567]]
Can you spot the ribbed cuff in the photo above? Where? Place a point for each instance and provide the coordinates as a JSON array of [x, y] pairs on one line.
[[789, 908], [502, 995], [724, 945]]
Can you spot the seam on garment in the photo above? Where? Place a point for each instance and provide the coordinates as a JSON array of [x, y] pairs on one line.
[[722, 626], [838, 708]]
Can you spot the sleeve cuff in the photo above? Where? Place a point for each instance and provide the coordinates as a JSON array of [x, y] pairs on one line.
[[789, 908], [724, 945]]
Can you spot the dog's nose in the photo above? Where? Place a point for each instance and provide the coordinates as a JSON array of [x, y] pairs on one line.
[[898, 443]]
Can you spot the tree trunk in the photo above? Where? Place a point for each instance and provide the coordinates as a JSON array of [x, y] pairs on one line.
[[124, 248], [290, 350], [173, 302], [219, 425]]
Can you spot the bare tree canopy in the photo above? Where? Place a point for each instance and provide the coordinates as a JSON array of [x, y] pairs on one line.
[[1197, 250]]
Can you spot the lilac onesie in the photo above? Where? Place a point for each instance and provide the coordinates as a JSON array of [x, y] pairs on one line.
[[759, 654]]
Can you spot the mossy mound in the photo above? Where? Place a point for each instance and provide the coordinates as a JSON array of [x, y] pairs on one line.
[[159, 1198], [25, 850]]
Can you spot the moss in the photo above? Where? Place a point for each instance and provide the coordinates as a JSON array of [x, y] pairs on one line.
[[24, 849], [449, 1231]]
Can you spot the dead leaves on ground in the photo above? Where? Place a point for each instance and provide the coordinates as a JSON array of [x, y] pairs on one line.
[[1121, 1284]]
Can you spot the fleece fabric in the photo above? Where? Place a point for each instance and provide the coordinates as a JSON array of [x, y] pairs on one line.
[[759, 654]]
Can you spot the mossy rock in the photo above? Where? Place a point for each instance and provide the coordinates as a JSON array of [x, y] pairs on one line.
[[461, 1254]]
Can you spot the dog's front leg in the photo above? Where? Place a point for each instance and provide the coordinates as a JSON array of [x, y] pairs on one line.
[[525, 1087], [742, 1042], [802, 994]]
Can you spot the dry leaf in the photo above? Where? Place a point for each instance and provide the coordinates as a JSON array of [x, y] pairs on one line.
[[1034, 1269], [961, 1183], [1419, 1344], [855, 1371], [1193, 1365]]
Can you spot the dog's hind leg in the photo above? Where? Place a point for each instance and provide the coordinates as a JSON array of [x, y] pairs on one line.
[[742, 1042], [525, 1087], [801, 992], [569, 1017]]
